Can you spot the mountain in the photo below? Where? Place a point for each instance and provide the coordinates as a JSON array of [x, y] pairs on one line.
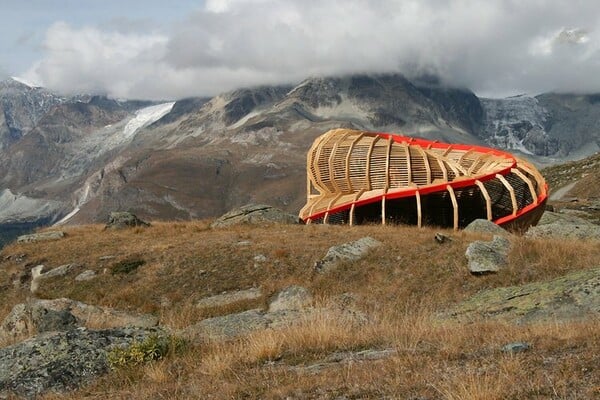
[[78, 158], [551, 124], [21, 108]]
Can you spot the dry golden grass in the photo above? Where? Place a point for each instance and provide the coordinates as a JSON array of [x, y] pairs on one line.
[[400, 287]]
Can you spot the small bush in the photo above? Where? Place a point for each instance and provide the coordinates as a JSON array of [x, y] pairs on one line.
[[154, 347], [127, 266]]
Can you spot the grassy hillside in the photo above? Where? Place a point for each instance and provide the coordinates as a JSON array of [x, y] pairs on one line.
[[575, 187], [401, 288], [583, 174]]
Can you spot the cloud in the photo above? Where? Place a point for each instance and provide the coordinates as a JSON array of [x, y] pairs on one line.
[[492, 47]]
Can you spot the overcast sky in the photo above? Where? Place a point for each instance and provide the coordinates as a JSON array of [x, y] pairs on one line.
[[172, 49]]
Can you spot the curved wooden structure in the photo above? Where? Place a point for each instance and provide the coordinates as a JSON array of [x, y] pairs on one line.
[[357, 177]]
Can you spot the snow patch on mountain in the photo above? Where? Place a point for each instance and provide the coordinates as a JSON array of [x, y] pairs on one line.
[[145, 117], [24, 82]]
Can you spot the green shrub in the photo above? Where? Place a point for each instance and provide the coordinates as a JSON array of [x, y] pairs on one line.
[[154, 347]]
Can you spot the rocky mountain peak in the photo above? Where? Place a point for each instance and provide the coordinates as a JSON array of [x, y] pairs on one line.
[[21, 107]]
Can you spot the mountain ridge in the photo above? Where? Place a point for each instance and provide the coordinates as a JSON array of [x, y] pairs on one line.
[[201, 157]]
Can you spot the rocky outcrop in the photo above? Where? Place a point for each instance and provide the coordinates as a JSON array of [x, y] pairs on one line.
[[485, 226], [558, 225], [38, 316], [484, 257], [86, 275], [60, 361], [227, 299], [37, 274], [254, 214], [287, 307], [41, 237], [124, 219], [352, 251], [573, 296], [291, 298]]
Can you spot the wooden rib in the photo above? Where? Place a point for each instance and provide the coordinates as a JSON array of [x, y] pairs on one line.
[[533, 172], [382, 210], [317, 156], [472, 167], [461, 158], [368, 161], [442, 165], [348, 179], [488, 199], [331, 203], [408, 165], [332, 158], [510, 189], [448, 150], [426, 163], [387, 163], [528, 182], [360, 192], [419, 215], [454, 205]]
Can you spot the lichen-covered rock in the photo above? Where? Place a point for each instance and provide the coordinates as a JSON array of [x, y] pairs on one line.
[[573, 296], [486, 257], [61, 361], [38, 274], [485, 226], [291, 298], [254, 214], [40, 315], [226, 299], [41, 237], [124, 219], [569, 227], [86, 275], [228, 326], [352, 251], [550, 217], [243, 323]]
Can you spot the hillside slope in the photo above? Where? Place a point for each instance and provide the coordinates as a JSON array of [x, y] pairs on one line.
[[380, 332], [575, 187]]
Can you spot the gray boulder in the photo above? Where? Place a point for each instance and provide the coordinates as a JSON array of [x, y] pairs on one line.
[[515, 347], [486, 257], [41, 237], [61, 361], [291, 298], [60, 314], [575, 296], [226, 299], [254, 214], [551, 217], [558, 225], [351, 251], [38, 274], [228, 326], [485, 226], [124, 219], [86, 275]]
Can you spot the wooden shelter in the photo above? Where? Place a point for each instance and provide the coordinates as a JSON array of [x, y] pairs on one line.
[[357, 177]]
